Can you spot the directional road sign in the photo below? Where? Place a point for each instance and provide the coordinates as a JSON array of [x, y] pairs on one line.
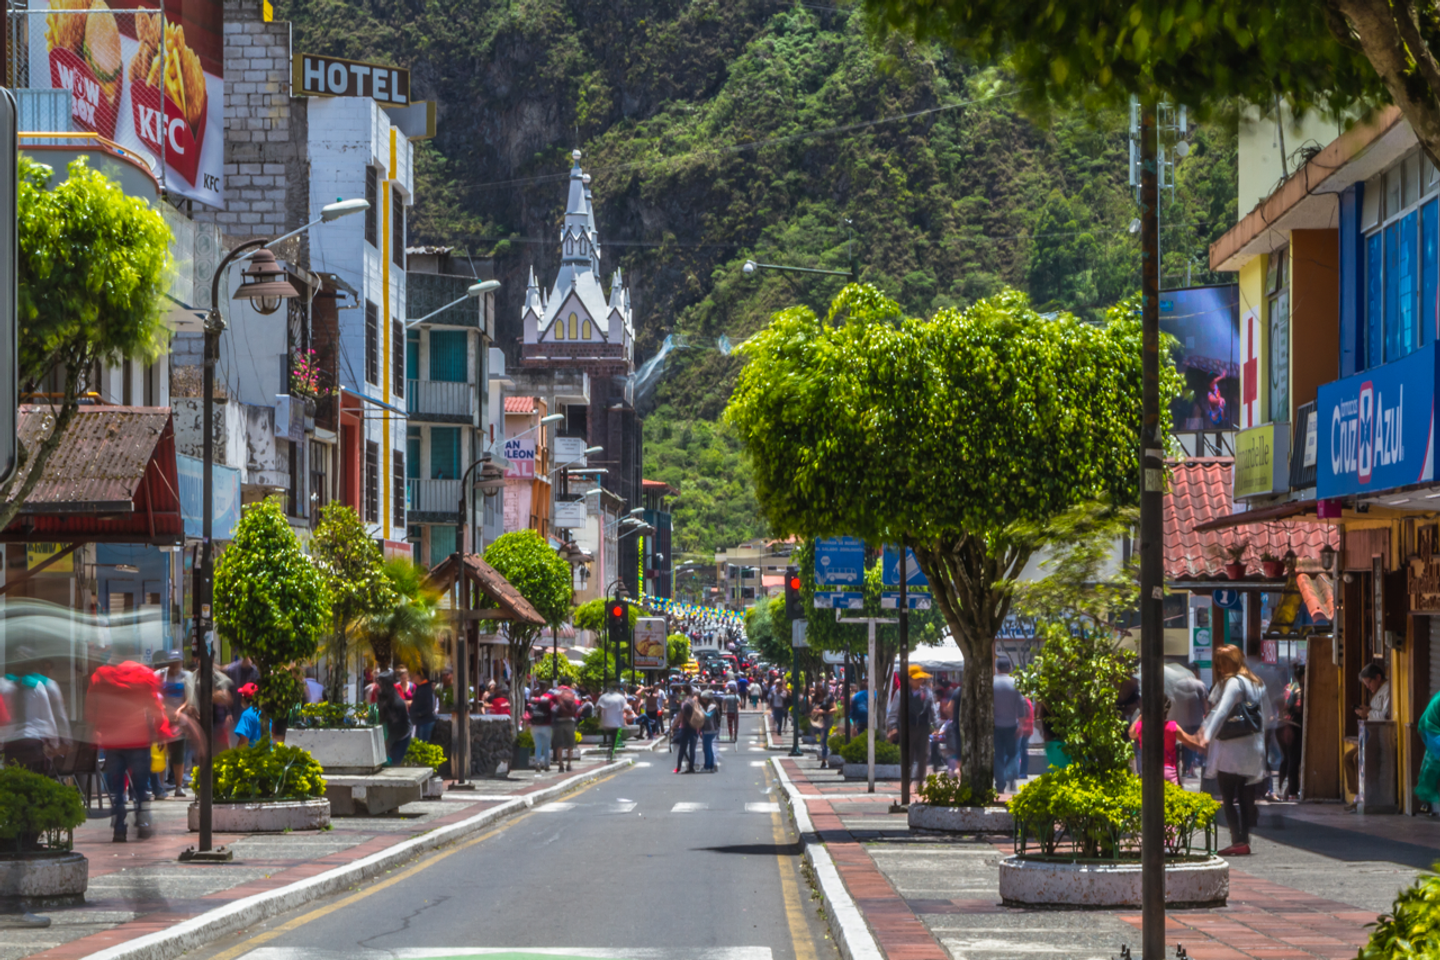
[[890, 569], [1228, 599], [890, 600], [839, 562], [839, 600]]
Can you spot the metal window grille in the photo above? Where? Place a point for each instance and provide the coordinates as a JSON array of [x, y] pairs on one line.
[[397, 494], [397, 228], [372, 343], [372, 215], [372, 482], [397, 356]]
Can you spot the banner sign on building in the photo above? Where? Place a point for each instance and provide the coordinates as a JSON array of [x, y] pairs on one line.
[[569, 451], [226, 492], [568, 515], [1376, 430], [317, 76], [152, 82], [839, 562], [1262, 460], [520, 451]]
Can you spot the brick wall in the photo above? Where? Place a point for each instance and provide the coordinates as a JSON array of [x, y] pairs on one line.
[[266, 163]]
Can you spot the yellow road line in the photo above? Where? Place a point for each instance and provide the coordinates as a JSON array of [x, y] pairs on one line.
[[795, 901], [429, 860]]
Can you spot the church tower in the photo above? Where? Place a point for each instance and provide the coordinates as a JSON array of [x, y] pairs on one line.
[[577, 325]]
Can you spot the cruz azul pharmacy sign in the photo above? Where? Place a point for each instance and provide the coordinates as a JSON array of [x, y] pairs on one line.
[[1377, 428]]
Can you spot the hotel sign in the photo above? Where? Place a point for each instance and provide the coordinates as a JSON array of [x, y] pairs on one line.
[[317, 76]]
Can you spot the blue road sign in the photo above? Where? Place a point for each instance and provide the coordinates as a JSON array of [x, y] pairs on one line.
[[839, 562], [890, 600], [840, 600], [1228, 599], [890, 569]]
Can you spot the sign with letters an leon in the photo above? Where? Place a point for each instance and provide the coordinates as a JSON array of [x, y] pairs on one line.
[[317, 76], [1376, 430]]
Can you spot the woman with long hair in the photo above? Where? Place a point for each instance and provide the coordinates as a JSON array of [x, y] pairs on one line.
[[1234, 735]]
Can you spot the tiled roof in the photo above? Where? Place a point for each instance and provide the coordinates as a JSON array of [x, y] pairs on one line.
[[1200, 491], [658, 486], [502, 594], [519, 404]]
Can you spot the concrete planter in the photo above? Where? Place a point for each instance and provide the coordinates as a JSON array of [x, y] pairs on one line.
[[45, 879], [434, 788], [961, 819], [835, 762], [274, 816], [352, 750], [1033, 882], [861, 771]]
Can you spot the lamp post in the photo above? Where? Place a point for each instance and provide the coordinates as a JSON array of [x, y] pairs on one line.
[[492, 481], [475, 290], [853, 274], [265, 286]]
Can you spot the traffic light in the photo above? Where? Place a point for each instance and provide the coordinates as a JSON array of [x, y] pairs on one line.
[[794, 610], [617, 621]]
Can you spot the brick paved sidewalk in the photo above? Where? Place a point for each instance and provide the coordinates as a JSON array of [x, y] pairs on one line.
[[138, 888], [1317, 878]]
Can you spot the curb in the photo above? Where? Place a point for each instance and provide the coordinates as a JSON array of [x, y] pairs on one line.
[[213, 924], [847, 923]]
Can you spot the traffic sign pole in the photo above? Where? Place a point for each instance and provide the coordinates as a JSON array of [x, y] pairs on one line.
[[904, 711]]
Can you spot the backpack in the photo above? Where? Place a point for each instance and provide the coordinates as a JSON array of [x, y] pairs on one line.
[[1244, 719], [696, 718]]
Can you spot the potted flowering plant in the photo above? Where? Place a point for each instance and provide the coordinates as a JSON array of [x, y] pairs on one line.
[[1273, 566], [1235, 568], [306, 377]]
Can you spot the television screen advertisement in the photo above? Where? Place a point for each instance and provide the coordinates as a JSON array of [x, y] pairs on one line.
[[1205, 322], [151, 81]]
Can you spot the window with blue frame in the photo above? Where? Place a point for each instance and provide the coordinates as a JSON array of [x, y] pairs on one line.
[[412, 453], [412, 355], [1429, 269], [445, 453], [448, 355], [1402, 262]]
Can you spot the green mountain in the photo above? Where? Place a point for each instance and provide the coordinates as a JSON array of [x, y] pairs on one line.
[[718, 132]]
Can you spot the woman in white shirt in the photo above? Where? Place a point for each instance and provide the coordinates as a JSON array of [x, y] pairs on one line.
[[1237, 747]]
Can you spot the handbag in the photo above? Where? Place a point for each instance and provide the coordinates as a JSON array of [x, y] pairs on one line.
[[1244, 719]]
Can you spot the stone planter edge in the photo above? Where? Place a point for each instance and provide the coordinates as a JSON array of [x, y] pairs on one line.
[[1030, 882], [993, 819], [861, 771], [264, 816], [55, 879]]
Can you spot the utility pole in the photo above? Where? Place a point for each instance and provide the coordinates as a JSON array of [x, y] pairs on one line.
[[904, 712], [1152, 572]]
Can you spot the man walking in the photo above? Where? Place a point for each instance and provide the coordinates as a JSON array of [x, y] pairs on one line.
[[124, 709], [689, 721], [542, 712], [731, 700], [921, 716], [1009, 707], [779, 704], [612, 718], [823, 713]]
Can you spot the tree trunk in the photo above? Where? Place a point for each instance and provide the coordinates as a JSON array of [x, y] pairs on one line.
[[1388, 33]]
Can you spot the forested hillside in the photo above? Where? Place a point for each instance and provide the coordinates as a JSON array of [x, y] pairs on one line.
[[722, 131]]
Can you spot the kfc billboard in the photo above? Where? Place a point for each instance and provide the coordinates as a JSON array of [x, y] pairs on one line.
[[151, 81]]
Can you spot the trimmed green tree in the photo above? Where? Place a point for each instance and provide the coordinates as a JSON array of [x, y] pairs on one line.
[[349, 559], [955, 436], [542, 577], [677, 650], [271, 602], [94, 266]]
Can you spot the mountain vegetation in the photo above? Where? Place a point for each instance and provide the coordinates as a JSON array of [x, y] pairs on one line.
[[782, 132]]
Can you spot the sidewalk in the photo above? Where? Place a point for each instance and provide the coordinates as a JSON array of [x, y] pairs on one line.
[[140, 888], [1317, 877]]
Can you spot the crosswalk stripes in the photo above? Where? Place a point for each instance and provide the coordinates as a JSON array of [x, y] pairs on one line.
[[554, 806], [514, 953], [771, 807], [687, 807]]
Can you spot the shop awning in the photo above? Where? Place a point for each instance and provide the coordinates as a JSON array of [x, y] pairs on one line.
[[507, 602], [111, 480], [1280, 511]]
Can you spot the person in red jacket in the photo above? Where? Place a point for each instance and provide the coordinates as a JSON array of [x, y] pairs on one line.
[[125, 711]]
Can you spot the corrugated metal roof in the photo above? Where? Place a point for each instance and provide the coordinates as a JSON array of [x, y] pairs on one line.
[[101, 461], [1200, 491], [519, 404]]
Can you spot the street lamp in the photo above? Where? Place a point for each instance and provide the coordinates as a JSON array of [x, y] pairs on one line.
[[853, 274], [475, 290], [263, 283]]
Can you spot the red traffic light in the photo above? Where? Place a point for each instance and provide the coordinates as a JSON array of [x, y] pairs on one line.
[[794, 583], [617, 611]]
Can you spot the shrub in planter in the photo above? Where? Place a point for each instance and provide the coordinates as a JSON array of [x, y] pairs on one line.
[[886, 753], [36, 813], [1100, 812], [334, 716], [525, 741], [267, 771], [1412, 927], [589, 726], [421, 754], [947, 790], [837, 742]]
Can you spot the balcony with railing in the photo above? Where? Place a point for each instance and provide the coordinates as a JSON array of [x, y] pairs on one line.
[[440, 401], [432, 499]]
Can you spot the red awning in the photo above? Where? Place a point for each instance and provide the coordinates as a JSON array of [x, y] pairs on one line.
[[1280, 511], [111, 480]]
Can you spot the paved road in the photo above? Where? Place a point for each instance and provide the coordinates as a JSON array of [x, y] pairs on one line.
[[645, 865]]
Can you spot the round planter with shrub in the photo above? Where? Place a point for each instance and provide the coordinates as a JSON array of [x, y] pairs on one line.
[[947, 804], [422, 754], [38, 817], [266, 788], [856, 757]]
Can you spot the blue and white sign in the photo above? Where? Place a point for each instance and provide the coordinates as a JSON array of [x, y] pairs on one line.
[[890, 600], [890, 569], [1376, 430], [1227, 599], [839, 562], [839, 600]]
